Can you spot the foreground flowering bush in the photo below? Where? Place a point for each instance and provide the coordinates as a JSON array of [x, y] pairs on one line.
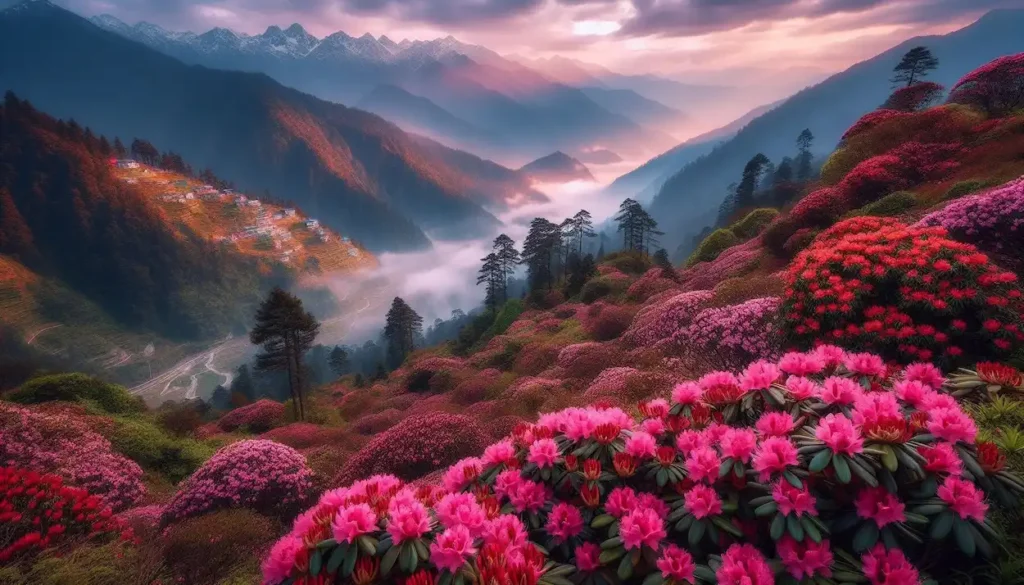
[[825, 467], [38, 512], [258, 417], [996, 87], [993, 221], [908, 293], [264, 476], [59, 443]]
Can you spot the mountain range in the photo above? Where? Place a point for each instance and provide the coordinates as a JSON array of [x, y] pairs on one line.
[[688, 199], [464, 95], [356, 172], [557, 167]]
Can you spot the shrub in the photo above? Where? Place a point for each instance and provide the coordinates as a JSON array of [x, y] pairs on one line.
[[304, 435], [734, 291], [202, 551], [819, 209], [877, 465], [371, 424], [38, 512], [433, 374], [264, 476], [712, 246], [534, 358], [866, 122], [650, 284], [607, 322], [143, 520], [966, 188], [890, 205], [993, 221], [799, 241], [915, 97], [77, 388], [628, 262], [753, 223], [415, 447], [61, 444], [733, 336], [149, 446], [997, 87], [180, 419], [603, 286], [657, 322], [586, 360], [908, 293], [257, 417]]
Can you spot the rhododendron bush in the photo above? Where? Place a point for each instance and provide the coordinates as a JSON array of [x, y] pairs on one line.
[[38, 512], [59, 443], [261, 475], [908, 293], [996, 87], [733, 336], [257, 417], [824, 467]]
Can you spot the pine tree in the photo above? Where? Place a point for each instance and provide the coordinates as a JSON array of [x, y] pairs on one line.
[[539, 250], [600, 249], [508, 257], [630, 220], [661, 260], [803, 157], [286, 331], [401, 328], [913, 67], [338, 361], [242, 383], [579, 227], [783, 172], [359, 382], [492, 274], [648, 232], [751, 177], [579, 269], [380, 374], [119, 148], [221, 398]]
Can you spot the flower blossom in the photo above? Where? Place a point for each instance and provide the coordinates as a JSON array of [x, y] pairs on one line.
[[676, 564], [702, 464], [801, 388], [409, 520], [353, 521], [793, 500], [964, 498], [801, 364], [774, 455], [924, 373], [952, 424], [641, 445], [702, 501], [889, 567], [839, 391], [879, 505], [805, 559], [564, 522], [941, 458], [839, 434], [642, 527], [775, 424], [279, 563], [461, 509], [621, 501], [588, 557], [759, 375], [499, 453], [865, 364], [687, 393], [543, 453], [742, 564], [451, 548]]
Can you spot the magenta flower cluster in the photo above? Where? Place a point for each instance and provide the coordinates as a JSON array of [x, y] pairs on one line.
[[736, 334], [257, 417], [993, 220], [658, 322], [59, 443], [264, 476]]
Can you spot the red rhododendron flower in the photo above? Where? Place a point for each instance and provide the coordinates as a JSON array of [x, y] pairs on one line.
[[805, 559], [676, 565], [889, 567], [793, 500]]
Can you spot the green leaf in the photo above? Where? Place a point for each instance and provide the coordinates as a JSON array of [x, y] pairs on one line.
[[848, 577], [941, 525], [842, 468], [704, 573], [793, 479], [316, 562], [662, 477], [696, 533], [725, 467], [726, 526], [421, 549], [625, 568], [964, 538], [820, 461], [329, 543], [654, 579], [611, 543], [608, 556], [389, 559], [602, 521], [334, 561], [367, 545], [409, 558], [889, 458], [794, 528], [866, 537], [778, 526], [811, 529], [766, 509], [863, 472], [350, 561]]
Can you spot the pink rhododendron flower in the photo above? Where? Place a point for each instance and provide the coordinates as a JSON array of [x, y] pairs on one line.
[[499, 453], [774, 455], [528, 496], [689, 440], [937, 400], [505, 531], [702, 501], [507, 482], [879, 505], [952, 424], [687, 393], [409, 520], [641, 445], [805, 559], [451, 548], [941, 458], [924, 373], [831, 355], [913, 392], [714, 433], [839, 391], [775, 424], [642, 527], [279, 563], [588, 557], [543, 453], [621, 501], [889, 567], [462, 474], [738, 444], [793, 500], [652, 502], [353, 521], [801, 388], [655, 408], [702, 464], [653, 426], [801, 364], [564, 522], [865, 364], [839, 434], [709, 381], [759, 375], [676, 564], [461, 509], [964, 498], [742, 564]]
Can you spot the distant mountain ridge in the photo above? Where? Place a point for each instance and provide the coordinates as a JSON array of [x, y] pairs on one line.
[[356, 172], [688, 200], [557, 167]]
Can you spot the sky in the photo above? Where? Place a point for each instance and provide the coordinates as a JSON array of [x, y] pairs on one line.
[[734, 42]]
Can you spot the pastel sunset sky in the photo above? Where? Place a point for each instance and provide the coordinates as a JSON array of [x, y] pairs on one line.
[[735, 42]]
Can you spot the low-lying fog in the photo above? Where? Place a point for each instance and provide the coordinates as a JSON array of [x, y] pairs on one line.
[[437, 281]]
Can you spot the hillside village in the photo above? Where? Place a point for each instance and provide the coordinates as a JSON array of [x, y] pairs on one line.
[[268, 231]]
